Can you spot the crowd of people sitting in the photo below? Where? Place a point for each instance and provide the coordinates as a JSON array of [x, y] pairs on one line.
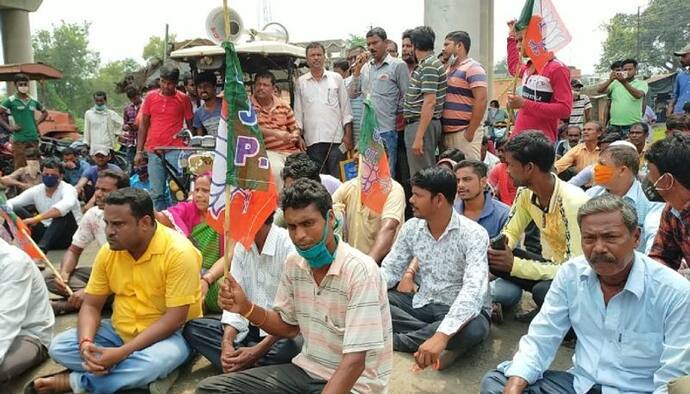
[[329, 289]]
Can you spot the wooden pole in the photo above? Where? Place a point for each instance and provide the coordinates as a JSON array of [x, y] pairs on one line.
[[44, 258]]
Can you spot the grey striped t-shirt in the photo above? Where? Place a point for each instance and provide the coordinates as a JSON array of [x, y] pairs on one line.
[[428, 77]]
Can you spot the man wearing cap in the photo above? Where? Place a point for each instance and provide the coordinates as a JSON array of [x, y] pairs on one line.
[[581, 106], [87, 182], [681, 89]]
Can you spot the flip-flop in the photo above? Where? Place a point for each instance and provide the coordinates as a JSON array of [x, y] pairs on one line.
[[31, 389]]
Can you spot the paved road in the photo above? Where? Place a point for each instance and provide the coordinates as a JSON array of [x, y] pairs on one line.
[[462, 377]]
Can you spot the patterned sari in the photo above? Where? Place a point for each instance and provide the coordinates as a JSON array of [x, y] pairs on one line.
[[188, 220]]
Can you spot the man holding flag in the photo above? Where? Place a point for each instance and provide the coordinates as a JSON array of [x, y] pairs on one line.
[[546, 96], [373, 203]]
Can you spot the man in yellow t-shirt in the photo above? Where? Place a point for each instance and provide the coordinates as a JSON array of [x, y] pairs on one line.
[[366, 230], [153, 272]]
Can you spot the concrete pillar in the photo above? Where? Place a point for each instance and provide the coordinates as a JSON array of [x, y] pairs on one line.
[[476, 17], [16, 33]]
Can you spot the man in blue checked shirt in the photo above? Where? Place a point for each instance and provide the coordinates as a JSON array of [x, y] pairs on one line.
[[629, 313]]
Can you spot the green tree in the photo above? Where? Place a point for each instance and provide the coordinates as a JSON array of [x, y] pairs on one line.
[[355, 40], [662, 28], [155, 46], [108, 75], [66, 48]]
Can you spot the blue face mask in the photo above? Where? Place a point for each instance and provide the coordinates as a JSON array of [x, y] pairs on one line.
[[318, 255], [50, 180], [100, 107]]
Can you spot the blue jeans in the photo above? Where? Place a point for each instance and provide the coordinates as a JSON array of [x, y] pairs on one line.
[[553, 382], [159, 178], [136, 371], [390, 142], [506, 293]]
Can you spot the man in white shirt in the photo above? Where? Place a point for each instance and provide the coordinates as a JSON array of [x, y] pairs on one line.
[[26, 320], [233, 344], [323, 112], [57, 205], [91, 228], [101, 124]]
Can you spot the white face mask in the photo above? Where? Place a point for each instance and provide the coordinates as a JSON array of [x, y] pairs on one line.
[[23, 89]]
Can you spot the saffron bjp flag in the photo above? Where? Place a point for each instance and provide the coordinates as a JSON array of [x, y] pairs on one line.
[[374, 173], [19, 232], [546, 33], [240, 162]]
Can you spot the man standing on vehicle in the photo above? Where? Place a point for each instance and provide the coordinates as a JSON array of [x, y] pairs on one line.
[[163, 115], [23, 124]]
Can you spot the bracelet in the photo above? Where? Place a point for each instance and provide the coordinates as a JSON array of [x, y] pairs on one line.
[[410, 271], [264, 321], [83, 340], [208, 282], [246, 315], [38, 217]]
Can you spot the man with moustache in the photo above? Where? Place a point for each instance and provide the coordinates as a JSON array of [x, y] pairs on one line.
[[384, 79], [323, 112], [628, 311]]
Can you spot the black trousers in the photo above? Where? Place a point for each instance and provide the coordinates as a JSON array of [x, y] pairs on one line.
[[271, 379], [58, 235], [25, 352], [205, 336], [327, 156], [413, 326]]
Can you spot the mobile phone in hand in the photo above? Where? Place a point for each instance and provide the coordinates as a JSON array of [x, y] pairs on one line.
[[499, 242]]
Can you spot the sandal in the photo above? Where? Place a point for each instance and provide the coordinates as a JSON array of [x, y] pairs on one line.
[[61, 385]]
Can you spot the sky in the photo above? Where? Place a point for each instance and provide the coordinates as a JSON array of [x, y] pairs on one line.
[[120, 29]]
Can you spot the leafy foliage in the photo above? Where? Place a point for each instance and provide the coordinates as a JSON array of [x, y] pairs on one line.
[[356, 40], [663, 28], [156, 46], [66, 48]]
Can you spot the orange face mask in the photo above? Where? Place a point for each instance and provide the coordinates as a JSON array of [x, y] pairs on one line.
[[603, 174]]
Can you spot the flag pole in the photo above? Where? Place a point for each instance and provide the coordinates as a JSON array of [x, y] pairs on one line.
[[229, 244]]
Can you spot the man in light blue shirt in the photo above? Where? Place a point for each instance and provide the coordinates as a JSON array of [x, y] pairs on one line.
[[616, 173], [681, 88], [629, 313]]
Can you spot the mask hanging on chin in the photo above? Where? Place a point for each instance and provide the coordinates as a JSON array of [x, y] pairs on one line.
[[318, 255]]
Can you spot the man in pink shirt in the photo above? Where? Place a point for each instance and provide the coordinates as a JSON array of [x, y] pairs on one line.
[[546, 95], [165, 113]]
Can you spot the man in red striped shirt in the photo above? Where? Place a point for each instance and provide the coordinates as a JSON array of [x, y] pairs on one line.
[[277, 124], [466, 98]]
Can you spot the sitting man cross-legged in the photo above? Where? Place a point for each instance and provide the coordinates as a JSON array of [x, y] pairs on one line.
[[232, 343], [629, 313], [91, 228], [153, 273], [333, 295], [26, 320], [57, 207], [451, 310], [548, 201]]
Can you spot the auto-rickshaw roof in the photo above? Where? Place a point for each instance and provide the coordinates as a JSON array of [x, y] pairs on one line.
[[35, 71], [266, 48]]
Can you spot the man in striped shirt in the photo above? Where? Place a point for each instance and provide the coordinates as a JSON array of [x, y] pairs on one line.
[[582, 106], [333, 295], [466, 98], [423, 104], [277, 124]]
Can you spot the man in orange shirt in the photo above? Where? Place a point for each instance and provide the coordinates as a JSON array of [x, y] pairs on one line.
[[584, 153], [277, 124]]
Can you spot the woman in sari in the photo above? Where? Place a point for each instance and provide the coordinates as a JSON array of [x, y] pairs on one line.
[[188, 218]]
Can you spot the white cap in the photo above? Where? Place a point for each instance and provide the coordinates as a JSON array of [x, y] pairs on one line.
[[623, 143]]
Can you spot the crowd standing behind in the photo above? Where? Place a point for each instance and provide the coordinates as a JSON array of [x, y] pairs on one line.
[[592, 225]]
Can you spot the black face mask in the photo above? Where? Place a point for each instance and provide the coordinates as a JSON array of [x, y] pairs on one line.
[[650, 191]]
